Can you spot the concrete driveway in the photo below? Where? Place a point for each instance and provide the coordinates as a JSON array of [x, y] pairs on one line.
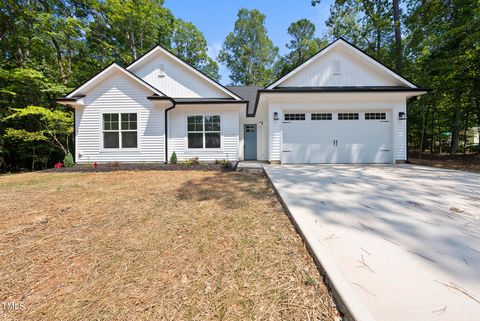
[[397, 242]]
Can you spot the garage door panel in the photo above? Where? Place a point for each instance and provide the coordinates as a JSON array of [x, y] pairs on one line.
[[337, 141]]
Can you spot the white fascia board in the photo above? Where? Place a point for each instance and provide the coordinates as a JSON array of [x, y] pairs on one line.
[[190, 68], [113, 67]]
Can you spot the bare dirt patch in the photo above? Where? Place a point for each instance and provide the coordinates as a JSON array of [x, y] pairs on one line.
[[147, 245], [466, 162]]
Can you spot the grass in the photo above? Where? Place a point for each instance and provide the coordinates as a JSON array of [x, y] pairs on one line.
[[153, 245]]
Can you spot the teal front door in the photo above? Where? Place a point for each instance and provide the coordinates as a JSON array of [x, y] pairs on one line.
[[250, 138]]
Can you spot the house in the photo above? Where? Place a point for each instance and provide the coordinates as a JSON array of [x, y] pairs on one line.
[[339, 106]]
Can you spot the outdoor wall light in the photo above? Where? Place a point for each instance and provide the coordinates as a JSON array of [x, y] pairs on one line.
[[402, 115], [260, 123], [275, 116]]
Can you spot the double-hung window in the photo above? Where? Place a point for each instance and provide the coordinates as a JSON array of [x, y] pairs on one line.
[[203, 131], [120, 130]]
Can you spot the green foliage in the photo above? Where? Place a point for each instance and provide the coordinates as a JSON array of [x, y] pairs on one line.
[[173, 158], [68, 160], [45, 125], [303, 45], [189, 44], [248, 52]]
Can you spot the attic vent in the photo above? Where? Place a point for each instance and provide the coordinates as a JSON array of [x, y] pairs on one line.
[[161, 70], [336, 67]]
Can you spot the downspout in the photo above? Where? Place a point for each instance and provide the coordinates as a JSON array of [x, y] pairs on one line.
[[166, 127]]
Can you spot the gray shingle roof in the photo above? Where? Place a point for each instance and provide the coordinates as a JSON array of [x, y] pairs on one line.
[[248, 93]]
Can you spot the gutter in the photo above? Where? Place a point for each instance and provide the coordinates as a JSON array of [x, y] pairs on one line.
[[166, 126]]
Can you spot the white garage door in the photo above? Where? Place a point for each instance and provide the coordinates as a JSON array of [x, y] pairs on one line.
[[337, 137]]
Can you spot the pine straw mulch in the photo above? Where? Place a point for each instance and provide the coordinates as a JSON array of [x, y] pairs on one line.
[[146, 245]]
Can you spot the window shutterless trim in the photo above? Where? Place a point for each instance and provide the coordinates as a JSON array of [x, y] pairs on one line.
[[203, 132], [119, 131]]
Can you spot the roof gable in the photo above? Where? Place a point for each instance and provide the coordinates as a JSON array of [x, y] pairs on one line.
[[89, 84], [341, 64], [178, 79]]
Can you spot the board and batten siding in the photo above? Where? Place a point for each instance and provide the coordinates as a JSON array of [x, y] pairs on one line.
[[175, 80], [353, 71], [229, 131], [119, 94]]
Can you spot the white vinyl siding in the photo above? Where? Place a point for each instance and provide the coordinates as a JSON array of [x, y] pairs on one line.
[[175, 80], [229, 132], [354, 71], [119, 94]]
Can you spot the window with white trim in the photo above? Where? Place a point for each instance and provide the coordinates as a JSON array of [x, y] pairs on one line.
[[347, 116], [203, 131], [373, 116], [321, 116], [120, 130], [294, 116]]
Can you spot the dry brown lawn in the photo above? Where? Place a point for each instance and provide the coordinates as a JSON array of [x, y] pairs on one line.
[[148, 245]]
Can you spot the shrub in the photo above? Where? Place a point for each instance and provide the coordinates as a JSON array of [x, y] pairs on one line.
[[195, 161], [114, 164], [173, 158], [68, 160]]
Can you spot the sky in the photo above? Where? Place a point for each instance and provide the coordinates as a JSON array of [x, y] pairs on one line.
[[216, 18]]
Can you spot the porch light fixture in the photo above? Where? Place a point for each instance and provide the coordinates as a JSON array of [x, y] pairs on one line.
[[402, 116], [275, 116], [260, 123]]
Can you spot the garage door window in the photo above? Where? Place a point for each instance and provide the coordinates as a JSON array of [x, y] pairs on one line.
[[321, 116], [294, 116], [347, 116], [373, 116]]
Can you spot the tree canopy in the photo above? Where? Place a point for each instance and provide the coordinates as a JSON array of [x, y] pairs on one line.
[[248, 52]]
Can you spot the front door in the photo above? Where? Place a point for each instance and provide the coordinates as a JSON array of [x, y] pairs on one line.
[[250, 138]]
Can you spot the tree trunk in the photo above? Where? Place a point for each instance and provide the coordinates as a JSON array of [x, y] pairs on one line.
[[59, 60], [456, 124], [398, 36], [424, 128], [432, 131], [465, 133]]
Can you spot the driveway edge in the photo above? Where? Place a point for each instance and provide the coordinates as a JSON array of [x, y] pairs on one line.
[[348, 302]]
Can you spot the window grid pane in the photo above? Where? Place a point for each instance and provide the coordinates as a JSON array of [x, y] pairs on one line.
[[347, 116], [321, 116], [120, 130], [373, 116], [203, 131], [294, 116]]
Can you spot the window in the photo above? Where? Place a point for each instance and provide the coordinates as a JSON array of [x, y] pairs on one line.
[[250, 128], [203, 131], [371, 116], [320, 116], [347, 116], [120, 130], [294, 116]]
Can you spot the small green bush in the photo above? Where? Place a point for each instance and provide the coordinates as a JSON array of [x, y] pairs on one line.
[[68, 160], [173, 158]]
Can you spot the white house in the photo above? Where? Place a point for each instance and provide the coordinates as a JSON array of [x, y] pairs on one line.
[[340, 106]]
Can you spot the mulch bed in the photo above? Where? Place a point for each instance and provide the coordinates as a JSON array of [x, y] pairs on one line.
[[141, 167]]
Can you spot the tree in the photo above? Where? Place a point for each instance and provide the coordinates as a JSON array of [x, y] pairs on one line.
[[248, 52], [189, 44], [303, 45], [33, 125], [127, 29]]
